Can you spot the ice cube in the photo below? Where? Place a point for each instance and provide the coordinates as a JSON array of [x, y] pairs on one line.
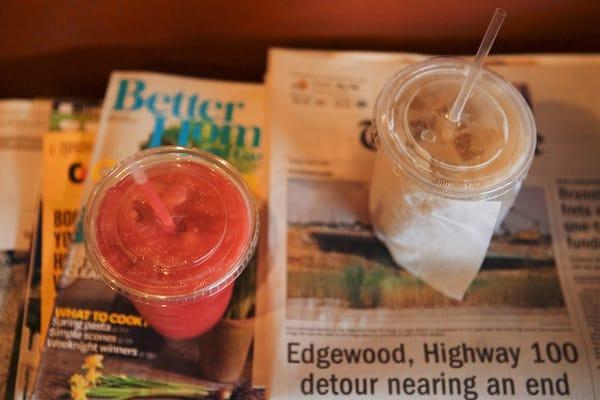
[[417, 127], [429, 136], [468, 147]]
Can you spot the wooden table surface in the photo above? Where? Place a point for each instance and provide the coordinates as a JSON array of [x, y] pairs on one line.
[[66, 48]]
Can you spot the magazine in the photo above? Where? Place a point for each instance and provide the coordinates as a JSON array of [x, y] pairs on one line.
[[94, 329], [66, 147], [337, 317], [27, 344]]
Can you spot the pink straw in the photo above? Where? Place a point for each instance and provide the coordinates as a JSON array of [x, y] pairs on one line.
[[156, 203]]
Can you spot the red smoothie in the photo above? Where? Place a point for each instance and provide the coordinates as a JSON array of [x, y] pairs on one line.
[[181, 279]]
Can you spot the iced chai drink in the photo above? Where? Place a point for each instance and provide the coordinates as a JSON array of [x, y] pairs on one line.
[[439, 188], [179, 277]]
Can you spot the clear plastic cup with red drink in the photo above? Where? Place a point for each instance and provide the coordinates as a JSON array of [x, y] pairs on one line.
[[181, 279]]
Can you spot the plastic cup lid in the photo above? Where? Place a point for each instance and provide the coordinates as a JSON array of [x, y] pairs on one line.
[[215, 217], [482, 157]]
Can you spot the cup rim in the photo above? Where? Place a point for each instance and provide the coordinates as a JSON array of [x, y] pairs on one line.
[[119, 172], [411, 164]]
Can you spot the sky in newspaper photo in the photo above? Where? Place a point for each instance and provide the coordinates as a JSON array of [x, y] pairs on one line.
[[335, 261]]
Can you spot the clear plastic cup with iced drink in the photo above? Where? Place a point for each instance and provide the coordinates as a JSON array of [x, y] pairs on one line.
[[435, 180], [180, 278]]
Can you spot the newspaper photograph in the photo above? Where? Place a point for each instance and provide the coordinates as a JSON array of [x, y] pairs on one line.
[[337, 316]]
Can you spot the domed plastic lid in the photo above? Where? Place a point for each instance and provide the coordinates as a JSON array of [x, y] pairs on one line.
[[482, 156], [215, 226]]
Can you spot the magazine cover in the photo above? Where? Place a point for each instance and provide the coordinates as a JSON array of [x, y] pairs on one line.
[[66, 151], [97, 345]]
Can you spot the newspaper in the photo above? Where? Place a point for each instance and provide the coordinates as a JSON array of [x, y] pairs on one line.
[[22, 123], [339, 317], [95, 336]]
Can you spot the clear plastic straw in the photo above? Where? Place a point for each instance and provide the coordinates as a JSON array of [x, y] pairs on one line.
[[475, 67], [156, 203]]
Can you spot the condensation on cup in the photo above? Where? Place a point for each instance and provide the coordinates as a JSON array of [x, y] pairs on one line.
[[434, 179]]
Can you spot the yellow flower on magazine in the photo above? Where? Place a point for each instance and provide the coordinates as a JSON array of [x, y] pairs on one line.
[[78, 393], [93, 361], [93, 375], [79, 387], [79, 381]]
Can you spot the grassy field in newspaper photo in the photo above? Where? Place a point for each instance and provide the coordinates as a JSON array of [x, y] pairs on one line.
[[334, 259]]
